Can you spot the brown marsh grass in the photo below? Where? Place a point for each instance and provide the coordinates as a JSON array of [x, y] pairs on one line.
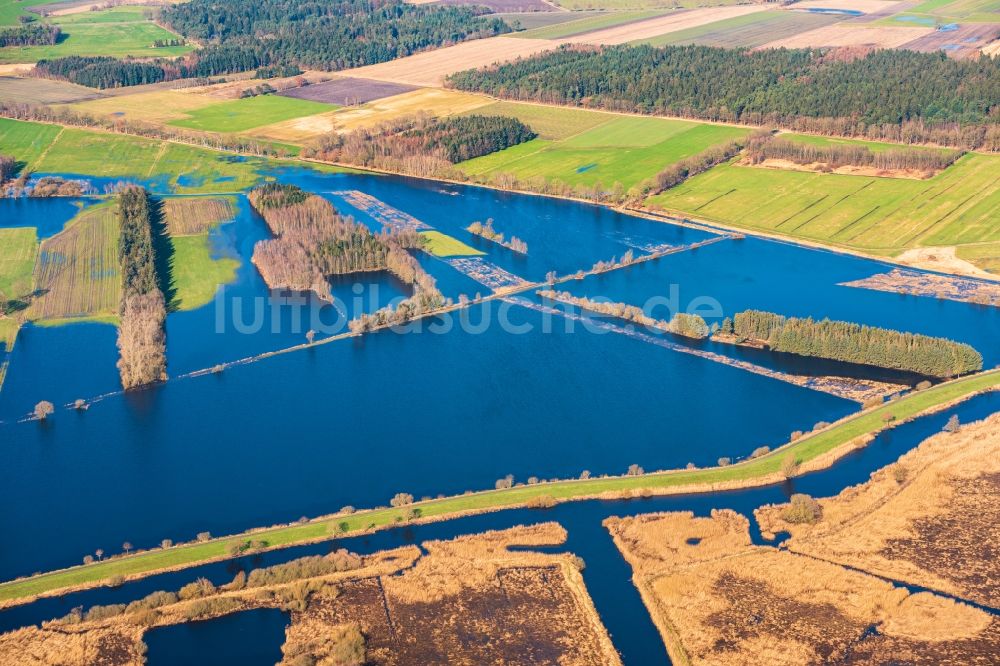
[[718, 599], [932, 519]]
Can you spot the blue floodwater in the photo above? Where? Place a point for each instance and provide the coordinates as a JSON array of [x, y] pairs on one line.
[[47, 215], [920, 20], [839, 12], [249, 638], [357, 420], [607, 576]]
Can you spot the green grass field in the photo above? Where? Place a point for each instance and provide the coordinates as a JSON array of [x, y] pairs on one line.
[[804, 449], [195, 275], [620, 149], [580, 26], [243, 114], [880, 215], [443, 245], [10, 10], [747, 31], [26, 141], [18, 249], [121, 31], [98, 154]]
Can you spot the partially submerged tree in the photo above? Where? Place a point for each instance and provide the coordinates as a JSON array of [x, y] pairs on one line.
[[43, 409]]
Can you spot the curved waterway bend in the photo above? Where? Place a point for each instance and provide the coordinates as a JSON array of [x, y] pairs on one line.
[[607, 575]]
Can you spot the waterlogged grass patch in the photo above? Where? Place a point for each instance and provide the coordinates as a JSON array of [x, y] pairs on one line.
[[195, 274], [443, 245]]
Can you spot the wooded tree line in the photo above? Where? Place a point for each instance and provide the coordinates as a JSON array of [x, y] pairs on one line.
[[312, 241], [769, 87], [422, 145], [8, 168], [31, 34], [284, 35], [857, 343], [677, 173], [766, 146], [142, 332]]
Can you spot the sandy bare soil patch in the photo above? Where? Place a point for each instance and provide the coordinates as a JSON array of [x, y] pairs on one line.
[[846, 34], [13, 69], [430, 67], [846, 170], [941, 259], [932, 519], [662, 25], [718, 599], [863, 6], [901, 281], [436, 101]]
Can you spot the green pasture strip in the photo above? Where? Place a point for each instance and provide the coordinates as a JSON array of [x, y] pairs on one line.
[[804, 449]]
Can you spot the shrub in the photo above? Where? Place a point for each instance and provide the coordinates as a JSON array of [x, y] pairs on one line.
[[541, 502], [635, 470], [194, 590], [401, 499], [803, 509], [43, 409], [789, 466], [900, 473], [760, 451], [724, 461]]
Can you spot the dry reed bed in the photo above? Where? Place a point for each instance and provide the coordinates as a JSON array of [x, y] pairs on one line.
[[949, 287], [932, 519], [718, 599], [469, 600], [192, 216]]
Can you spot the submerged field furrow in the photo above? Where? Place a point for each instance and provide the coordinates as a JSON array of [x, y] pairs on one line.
[[848, 389]]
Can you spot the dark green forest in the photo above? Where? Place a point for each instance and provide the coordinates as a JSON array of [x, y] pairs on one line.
[[284, 36], [30, 34], [772, 87], [856, 343], [242, 35]]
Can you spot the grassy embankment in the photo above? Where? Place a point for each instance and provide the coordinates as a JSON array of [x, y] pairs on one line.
[[749, 473], [119, 32]]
